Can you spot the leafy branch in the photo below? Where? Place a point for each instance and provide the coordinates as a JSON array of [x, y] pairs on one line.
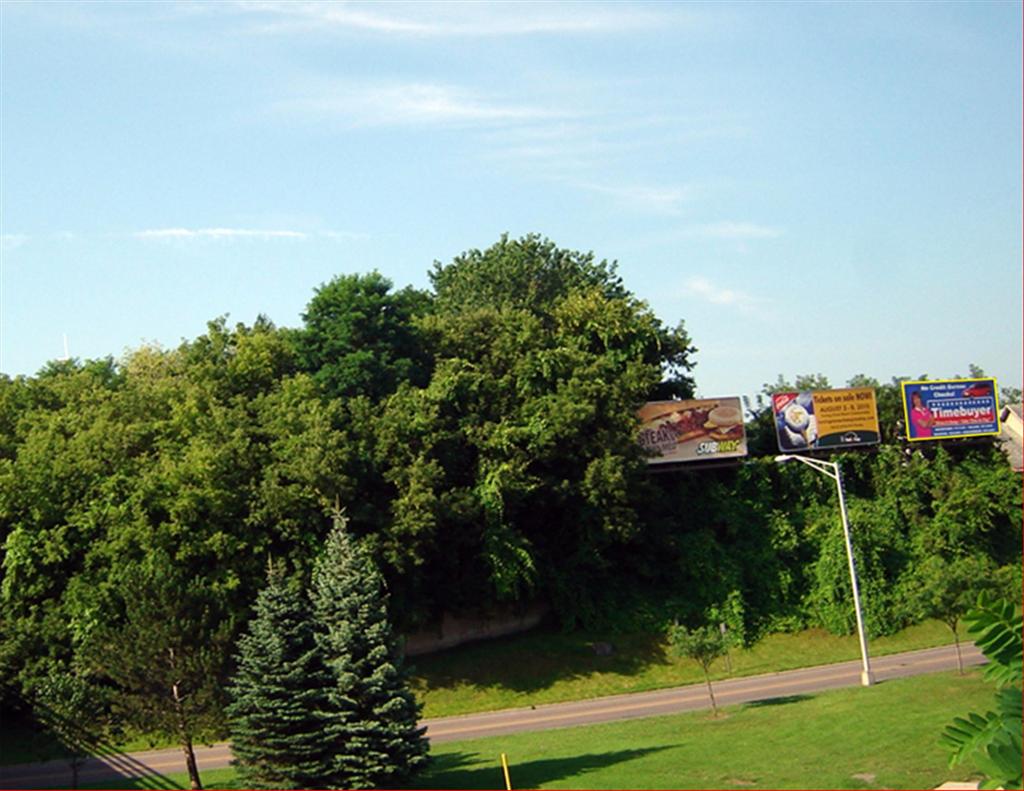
[[993, 739]]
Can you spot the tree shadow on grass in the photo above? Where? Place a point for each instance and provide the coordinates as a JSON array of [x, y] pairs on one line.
[[782, 700], [65, 752], [463, 770], [536, 660]]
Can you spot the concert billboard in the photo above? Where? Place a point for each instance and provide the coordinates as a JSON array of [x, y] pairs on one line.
[[826, 419]]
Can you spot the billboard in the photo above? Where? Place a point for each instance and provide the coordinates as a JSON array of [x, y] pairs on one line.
[[694, 430], [826, 419], [950, 408]]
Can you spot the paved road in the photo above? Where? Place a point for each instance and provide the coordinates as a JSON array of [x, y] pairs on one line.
[[552, 715]]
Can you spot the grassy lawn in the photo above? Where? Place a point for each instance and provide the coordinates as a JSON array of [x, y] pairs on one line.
[[549, 667], [212, 779], [885, 736]]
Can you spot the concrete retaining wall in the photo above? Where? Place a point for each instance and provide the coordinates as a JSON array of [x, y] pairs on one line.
[[455, 630]]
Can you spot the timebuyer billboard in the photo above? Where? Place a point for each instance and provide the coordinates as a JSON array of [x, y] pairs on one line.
[[950, 408], [693, 430], [826, 419]]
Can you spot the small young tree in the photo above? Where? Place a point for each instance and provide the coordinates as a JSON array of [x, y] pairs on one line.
[[374, 713], [281, 734], [75, 712], [703, 644], [946, 589], [729, 617]]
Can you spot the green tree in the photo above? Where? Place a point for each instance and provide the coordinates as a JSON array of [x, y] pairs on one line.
[[379, 742], [160, 454], [1009, 395], [802, 383], [359, 337], [879, 547], [241, 361], [993, 740], [520, 273], [947, 589], [533, 275], [163, 655], [75, 711], [73, 440], [319, 450], [281, 732], [521, 450], [729, 616], [704, 645]]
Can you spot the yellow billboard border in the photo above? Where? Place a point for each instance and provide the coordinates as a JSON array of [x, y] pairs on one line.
[[906, 414], [874, 403]]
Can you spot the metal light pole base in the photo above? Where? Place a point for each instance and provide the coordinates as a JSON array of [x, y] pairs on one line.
[[866, 678]]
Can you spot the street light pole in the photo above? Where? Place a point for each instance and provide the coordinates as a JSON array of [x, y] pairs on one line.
[[831, 469]]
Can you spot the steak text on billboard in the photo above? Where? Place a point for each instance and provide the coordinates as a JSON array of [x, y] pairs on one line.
[[694, 430]]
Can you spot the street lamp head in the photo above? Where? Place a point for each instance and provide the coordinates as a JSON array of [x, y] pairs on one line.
[[784, 458]]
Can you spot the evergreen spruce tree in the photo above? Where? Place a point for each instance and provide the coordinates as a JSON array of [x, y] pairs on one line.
[[281, 732], [379, 744]]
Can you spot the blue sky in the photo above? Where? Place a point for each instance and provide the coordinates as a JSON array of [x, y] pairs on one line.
[[811, 187]]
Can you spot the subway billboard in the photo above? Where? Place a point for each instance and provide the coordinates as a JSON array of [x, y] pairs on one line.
[[693, 430]]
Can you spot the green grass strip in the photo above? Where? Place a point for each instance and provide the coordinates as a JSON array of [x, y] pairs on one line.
[[552, 667], [884, 736]]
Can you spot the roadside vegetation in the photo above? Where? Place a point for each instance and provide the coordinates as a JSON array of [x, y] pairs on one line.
[[480, 439], [551, 666], [879, 737], [885, 736]]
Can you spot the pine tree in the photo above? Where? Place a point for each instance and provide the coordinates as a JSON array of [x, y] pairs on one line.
[[379, 743], [280, 730]]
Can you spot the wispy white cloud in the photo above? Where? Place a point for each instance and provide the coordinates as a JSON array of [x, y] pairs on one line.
[[735, 231], [708, 291], [587, 144], [9, 241], [216, 233], [571, 144], [644, 198], [405, 104], [453, 19]]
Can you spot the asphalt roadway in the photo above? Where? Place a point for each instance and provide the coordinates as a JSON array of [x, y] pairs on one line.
[[156, 763]]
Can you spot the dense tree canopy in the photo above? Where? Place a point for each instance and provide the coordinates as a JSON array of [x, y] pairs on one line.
[[359, 337], [481, 439]]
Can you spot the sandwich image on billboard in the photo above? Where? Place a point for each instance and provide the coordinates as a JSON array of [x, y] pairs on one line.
[[950, 408], [694, 430], [826, 419]]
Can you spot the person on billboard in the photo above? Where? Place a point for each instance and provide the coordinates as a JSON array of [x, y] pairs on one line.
[[920, 416]]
